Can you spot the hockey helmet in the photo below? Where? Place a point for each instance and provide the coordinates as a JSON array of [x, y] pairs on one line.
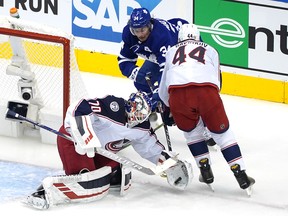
[[188, 31], [139, 18], [138, 108]]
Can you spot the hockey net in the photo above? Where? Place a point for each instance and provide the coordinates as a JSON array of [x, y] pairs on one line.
[[45, 57], [38, 69]]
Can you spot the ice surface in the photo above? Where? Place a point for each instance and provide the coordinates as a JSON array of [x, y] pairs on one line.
[[261, 131]]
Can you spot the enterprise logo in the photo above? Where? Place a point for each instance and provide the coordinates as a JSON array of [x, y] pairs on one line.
[[216, 32]]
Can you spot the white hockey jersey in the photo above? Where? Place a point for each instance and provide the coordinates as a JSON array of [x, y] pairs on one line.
[[108, 119], [190, 62]]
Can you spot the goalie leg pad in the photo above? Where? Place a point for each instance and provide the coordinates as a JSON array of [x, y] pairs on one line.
[[86, 187], [179, 175]]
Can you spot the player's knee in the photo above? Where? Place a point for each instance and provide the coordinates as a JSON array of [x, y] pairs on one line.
[[219, 128]]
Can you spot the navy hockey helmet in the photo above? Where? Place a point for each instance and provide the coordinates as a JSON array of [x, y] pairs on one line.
[[139, 18], [138, 108]]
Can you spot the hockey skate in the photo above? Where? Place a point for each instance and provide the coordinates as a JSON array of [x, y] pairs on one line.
[[121, 180], [245, 182], [206, 175], [115, 180], [37, 199]]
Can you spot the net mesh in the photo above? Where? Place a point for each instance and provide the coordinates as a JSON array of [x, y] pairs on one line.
[[45, 59]]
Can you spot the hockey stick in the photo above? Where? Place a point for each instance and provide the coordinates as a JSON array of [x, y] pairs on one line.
[[127, 144], [147, 77], [122, 160]]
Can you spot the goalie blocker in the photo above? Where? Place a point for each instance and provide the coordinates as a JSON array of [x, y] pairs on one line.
[[85, 187]]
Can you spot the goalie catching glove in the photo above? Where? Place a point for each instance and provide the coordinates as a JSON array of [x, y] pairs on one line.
[[179, 174], [85, 139]]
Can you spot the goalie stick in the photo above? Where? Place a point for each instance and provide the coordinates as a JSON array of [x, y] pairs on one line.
[[148, 80], [120, 159], [127, 144]]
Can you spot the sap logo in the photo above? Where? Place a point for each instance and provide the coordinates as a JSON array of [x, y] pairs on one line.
[[104, 19]]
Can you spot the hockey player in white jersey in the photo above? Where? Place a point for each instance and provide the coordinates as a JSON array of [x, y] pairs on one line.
[[149, 38], [190, 89], [106, 122]]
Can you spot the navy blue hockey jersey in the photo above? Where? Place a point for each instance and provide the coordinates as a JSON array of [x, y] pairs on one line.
[[108, 119], [164, 35]]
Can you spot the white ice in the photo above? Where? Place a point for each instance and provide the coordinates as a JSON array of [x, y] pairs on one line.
[[261, 131]]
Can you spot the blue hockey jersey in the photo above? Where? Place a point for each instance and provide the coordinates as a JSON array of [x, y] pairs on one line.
[[109, 107], [164, 34]]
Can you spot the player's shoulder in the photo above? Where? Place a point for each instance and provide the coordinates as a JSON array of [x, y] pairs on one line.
[[161, 25], [110, 106], [126, 30], [171, 51], [177, 22], [164, 32], [211, 48], [108, 99]]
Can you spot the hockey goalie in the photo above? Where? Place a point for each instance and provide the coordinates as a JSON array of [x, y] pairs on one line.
[[107, 123]]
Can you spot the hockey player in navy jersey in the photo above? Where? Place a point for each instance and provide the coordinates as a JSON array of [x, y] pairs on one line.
[[190, 87], [149, 38], [107, 123]]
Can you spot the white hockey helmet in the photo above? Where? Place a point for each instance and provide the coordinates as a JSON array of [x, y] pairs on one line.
[[188, 31], [138, 108]]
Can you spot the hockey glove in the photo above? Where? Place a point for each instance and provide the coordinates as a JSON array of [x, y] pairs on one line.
[[84, 135], [167, 116], [180, 175], [156, 101], [138, 76]]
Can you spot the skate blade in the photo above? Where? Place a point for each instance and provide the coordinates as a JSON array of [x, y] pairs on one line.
[[249, 191], [211, 187], [36, 202], [213, 148]]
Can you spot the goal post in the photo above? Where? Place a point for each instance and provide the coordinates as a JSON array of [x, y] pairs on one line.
[[38, 67], [66, 56]]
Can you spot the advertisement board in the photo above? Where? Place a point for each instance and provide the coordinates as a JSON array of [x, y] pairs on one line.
[[96, 24], [248, 35]]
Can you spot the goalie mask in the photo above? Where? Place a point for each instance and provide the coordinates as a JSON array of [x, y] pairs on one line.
[[138, 108]]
